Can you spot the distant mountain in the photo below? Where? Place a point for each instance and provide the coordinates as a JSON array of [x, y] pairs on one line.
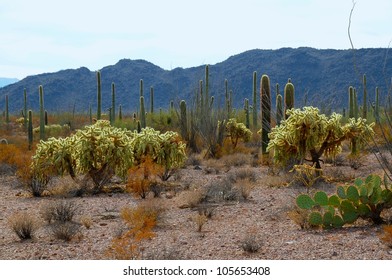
[[7, 81], [324, 75]]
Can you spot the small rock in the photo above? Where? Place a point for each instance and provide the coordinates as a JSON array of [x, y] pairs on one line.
[[197, 167], [334, 254], [103, 224]]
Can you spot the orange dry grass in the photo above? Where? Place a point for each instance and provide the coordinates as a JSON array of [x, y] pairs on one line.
[[19, 157], [386, 237]]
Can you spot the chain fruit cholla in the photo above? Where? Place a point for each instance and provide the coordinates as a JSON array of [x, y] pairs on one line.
[[100, 151], [307, 133]]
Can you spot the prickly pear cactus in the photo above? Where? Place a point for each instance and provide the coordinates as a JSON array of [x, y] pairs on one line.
[[365, 199]]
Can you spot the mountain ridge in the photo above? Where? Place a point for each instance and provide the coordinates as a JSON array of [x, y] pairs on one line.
[[324, 75]]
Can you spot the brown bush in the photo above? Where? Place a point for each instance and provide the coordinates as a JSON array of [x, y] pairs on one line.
[[23, 224]]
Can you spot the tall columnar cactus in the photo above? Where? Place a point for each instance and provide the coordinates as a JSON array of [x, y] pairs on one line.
[[279, 109], [265, 104], [46, 118], [142, 113], [183, 121], [120, 113], [30, 130], [377, 106], [113, 111], [99, 96], [254, 105], [364, 106], [246, 109], [7, 114], [151, 100], [355, 104], [25, 122], [207, 85], [141, 88], [289, 96], [41, 114], [351, 102]]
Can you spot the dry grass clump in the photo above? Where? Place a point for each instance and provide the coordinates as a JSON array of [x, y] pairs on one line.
[[386, 235], [65, 230], [221, 190], [59, 211], [200, 220], [86, 221], [300, 217], [192, 198], [236, 160], [23, 224], [245, 188], [251, 242]]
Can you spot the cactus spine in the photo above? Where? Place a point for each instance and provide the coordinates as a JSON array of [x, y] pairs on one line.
[[113, 111], [151, 100], [265, 100], [183, 121], [30, 130], [254, 111], [99, 96], [7, 114], [289, 94], [41, 114], [364, 106]]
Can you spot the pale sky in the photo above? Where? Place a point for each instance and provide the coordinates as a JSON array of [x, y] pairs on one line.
[[39, 36]]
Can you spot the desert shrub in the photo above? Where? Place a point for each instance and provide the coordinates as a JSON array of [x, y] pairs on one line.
[[144, 177], [192, 198], [86, 221], [306, 175], [236, 160], [200, 220], [245, 188], [244, 174], [386, 235], [251, 242], [23, 224], [300, 217], [221, 190], [65, 230], [59, 211]]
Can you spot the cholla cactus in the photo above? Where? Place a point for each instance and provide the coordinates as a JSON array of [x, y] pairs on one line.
[[99, 151], [164, 149], [308, 133], [237, 131]]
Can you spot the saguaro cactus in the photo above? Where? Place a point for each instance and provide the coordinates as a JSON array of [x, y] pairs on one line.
[[141, 87], [279, 109], [183, 121], [246, 109], [265, 104], [120, 113], [289, 95], [377, 106], [151, 100], [254, 111], [41, 114], [99, 96], [351, 102], [142, 113]]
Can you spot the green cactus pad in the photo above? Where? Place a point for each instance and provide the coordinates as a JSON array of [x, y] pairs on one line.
[[386, 195], [337, 221], [305, 202], [352, 193], [341, 192], [363, 210], [315, 219], [334, 200], [321, 198], [349, 212], [362, 191], [358, 182], [327, 219]]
